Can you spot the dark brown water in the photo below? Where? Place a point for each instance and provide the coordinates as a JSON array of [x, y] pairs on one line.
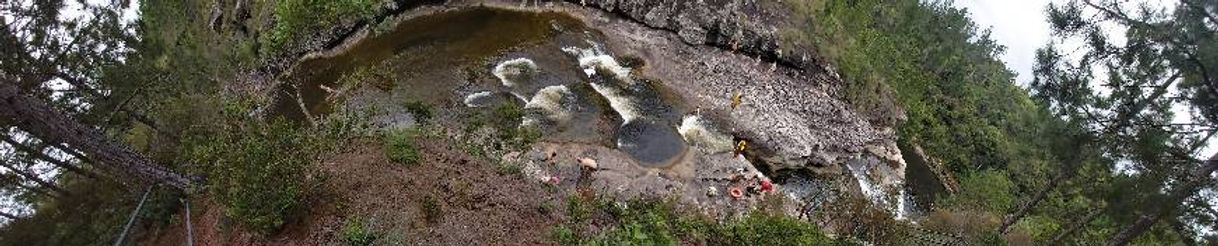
[[922, 182], [423, 52]]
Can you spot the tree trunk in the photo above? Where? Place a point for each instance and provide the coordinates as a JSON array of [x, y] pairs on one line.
[[1057, 240], [43, 156], [48, 124], [33, 177], [1173, 200], [1027, 207]]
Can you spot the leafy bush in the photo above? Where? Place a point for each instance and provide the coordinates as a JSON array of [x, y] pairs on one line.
[[651, 222], [400, 146], [259, 170], [983, 190], [508, 168], [297, 18], [564, 235], [356, 232], [770, 229], [419, 110]]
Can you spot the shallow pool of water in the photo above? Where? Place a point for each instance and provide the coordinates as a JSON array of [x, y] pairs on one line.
[[518, 57]]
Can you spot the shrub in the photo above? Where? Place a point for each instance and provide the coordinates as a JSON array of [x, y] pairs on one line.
[[759, 228], [419, 110], [400, 147], [356, 232], [508, 168], [257, 170], [657, 222], [564, 235]]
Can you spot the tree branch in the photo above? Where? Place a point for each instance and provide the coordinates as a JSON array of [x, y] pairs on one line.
[[32, 177], [37, 153]]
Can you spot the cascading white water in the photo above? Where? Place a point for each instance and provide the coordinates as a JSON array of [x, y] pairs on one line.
[[859, 171], [592, 60], [514, 73], [698, 132], [549, 101], [876, 193]]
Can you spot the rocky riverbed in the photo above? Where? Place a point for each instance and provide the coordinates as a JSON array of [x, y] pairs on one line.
[[632, 99]]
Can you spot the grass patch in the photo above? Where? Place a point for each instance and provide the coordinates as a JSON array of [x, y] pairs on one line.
[[400, 146]]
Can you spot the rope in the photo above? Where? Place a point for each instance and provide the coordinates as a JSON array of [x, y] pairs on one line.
[[131, 221], [190, 236]]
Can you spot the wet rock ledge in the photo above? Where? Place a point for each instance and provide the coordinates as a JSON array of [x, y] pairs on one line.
[[748, 27]]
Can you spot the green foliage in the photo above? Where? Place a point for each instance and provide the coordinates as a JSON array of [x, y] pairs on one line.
[[505, 133], [356, 232], [772, 229], [959, 100], [93, 213], [259, 170], [651, 222], [1040, 227], [400, 146], [295, 19], [421, 111], [578, 209], [983, 190], [564, 235], [508, 168]]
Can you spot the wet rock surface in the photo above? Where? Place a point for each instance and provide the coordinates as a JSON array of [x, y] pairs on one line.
[[749, 27]]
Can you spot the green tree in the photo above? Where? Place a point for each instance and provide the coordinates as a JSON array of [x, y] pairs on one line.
[[1121, 93]]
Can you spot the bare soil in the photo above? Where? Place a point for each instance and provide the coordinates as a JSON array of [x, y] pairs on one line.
[[449, 198]]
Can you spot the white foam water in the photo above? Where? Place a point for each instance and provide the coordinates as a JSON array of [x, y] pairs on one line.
[[549, 100], [876, 193], [859, 171], [698, 132], [515, 73], [592, 60], [477, 100]]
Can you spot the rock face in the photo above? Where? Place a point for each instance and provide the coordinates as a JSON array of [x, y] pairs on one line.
[[784, 112], [748, 27]]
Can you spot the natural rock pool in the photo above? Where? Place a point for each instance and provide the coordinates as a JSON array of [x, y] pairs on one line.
[[548, 62], [656, 113]]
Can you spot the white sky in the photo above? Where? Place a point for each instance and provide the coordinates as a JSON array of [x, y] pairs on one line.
[[1018, 25]]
